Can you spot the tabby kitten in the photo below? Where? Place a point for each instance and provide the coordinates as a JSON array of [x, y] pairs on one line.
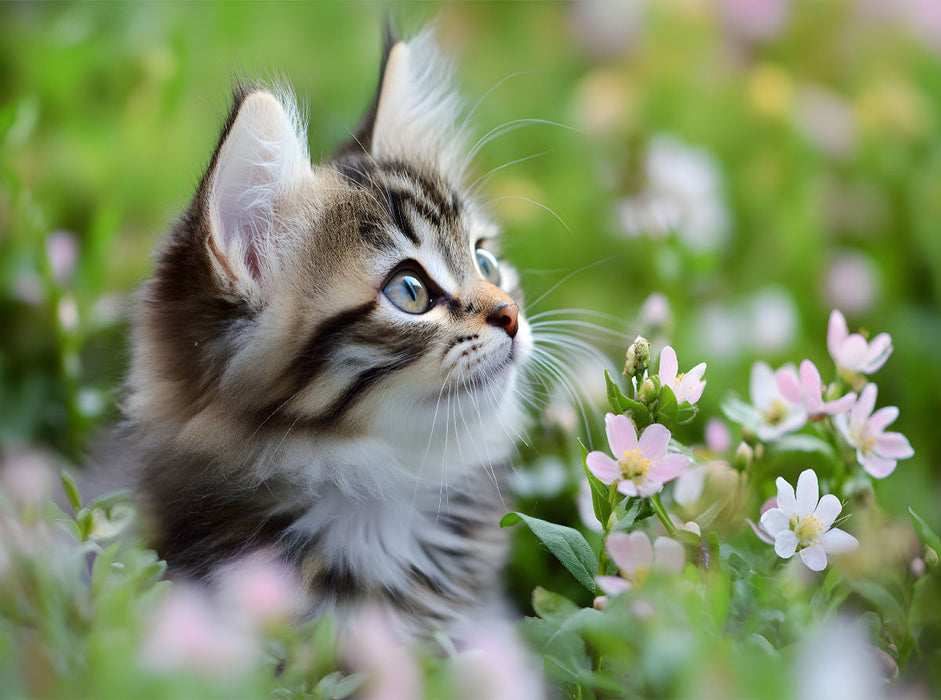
[[324, 363]]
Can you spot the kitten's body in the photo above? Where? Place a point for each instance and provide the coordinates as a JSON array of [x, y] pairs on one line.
[[279, 398]]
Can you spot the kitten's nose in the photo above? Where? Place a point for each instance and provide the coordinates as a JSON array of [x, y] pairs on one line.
[[507, 318]]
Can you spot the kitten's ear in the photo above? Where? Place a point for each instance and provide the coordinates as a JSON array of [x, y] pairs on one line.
[[261, 158], [413, 116]]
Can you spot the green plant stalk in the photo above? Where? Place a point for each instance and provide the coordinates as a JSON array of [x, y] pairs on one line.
[[662, 514]]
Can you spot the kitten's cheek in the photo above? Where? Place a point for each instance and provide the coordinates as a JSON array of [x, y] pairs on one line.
[[523, 342]]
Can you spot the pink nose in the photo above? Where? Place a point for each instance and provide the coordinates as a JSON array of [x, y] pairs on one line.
[[507, 318]]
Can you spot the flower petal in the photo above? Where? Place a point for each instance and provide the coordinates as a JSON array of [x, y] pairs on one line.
[[774, 521], [669, 467], [876, 466], [838, 541], [787, 501], [669, 366], [837, 331], [789, 384], [853, 353], [863, 408], [762, 535], [840, 405], [893, 446], [815, 557], [603, 467], [648, 487], [622, 436], [627, 487], [879, 350], [883, 418], [808, 492], [762, 387], [612, 585], [827, 510], [629, 551], [653, 442], [668, 555], [785, 544]]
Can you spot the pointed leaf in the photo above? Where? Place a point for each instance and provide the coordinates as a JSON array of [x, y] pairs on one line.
[[686, 412], [71, 490], [926, 535], [567, 544], [599, 492], [667, 408]]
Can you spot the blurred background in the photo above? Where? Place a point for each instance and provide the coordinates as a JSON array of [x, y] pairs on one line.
[[727, 173]]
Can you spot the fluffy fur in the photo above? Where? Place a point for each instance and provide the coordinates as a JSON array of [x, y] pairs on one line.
[[278, 399]]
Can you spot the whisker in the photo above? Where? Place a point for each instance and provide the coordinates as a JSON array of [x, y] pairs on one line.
[[538, 204], [566, 279]]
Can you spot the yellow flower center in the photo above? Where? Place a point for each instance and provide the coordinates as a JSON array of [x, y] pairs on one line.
[[633, 465], [806, 529], [776, 412]]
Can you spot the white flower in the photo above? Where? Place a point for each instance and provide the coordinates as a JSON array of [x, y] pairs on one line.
[[877, 451], [852, 352], [634, 556], [687, 386], [800, 523], [773, 414]]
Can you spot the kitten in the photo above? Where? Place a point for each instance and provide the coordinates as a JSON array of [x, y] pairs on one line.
[[324, 363]]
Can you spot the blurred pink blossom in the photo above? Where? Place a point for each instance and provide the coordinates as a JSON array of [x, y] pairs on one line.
[[773, 415], [641, 466], [608, 28], [655, 312], [375, 648], [27, 476], [851, 282], [808, 389], [186, 631], [634, 556], [62, 253], [718, 435], [851, 351], [260, 589], [754, 20], [495, 665], [877, 451]]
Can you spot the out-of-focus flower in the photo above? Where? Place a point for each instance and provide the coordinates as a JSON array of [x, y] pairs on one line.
[[744, 456], [772, 320], [851, 282], [757, 528], [67, 313], [687, 386], [838, 661], [186, 631], [827, 120], [773, 414], [27, 476], [62, 253], [718, 436], [261, 589], [605, 102], [852, 352], [924, 19], [607, 29], [655, 313], [375, 649], [495, 665], [547, 478], [770, 91], [586, 510], [808, 389], [634, 556], [689, 485], [641, 466], [754, 20], [682, 193], [801, 523], [876, 450]]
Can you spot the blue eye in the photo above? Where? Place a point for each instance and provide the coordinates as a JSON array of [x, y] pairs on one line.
[[407, 291], [489, 267]]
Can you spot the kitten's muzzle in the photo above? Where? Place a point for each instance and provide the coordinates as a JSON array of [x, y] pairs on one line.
[[506, 317]]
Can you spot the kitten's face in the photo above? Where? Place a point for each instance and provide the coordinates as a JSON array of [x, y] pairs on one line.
[[361, 298]]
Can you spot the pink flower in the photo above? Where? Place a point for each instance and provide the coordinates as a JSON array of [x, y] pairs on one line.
[[800, 523], [634, 557], [876, 450], [376, 648], [808, 390], [641, 467], [772, 414], [718, 435], [62, 253], [495, 664], [686, 387], [852, 352], [260, 589]]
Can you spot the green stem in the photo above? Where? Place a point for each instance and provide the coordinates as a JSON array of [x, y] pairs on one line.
[[662, 514]]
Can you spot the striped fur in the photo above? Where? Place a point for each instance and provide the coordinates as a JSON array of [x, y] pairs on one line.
[[277, 399]]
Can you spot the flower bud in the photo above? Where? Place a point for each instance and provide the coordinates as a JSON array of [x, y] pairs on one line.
[[649, 390], [637, 358], [931, 558], [744, 456], [917, 567]]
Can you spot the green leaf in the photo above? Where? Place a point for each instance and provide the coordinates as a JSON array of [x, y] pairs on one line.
[[567, 544], [71, 490], [599, 491], [887, 605], [667, 409], [552, 606], [803, 443], [636, 510], [926, 535], [622, 404], [686, 412], [739, 566]]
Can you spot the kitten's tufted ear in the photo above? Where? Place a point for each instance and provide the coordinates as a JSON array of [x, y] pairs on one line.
[[261, 159], [414, 114]]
